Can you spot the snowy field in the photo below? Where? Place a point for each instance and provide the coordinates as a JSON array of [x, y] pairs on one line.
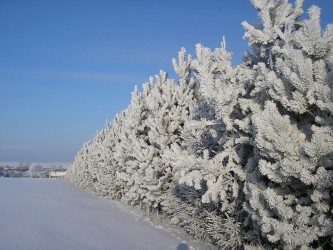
[[54, 214]]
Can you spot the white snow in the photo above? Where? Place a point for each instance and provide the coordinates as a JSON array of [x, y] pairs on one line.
[[54, 214]]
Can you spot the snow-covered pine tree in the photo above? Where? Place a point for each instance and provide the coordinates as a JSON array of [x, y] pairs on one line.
[[102, 164], [127, 144], [208, 163], [167, 106], [146, 178], [83, 170], [106, 181], [290, 176]]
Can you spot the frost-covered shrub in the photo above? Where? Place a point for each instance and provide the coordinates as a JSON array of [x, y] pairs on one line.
[[207, 164], [290, 176], [164, 106], [94, 166]]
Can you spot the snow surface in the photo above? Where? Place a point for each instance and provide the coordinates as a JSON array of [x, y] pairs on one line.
[[54, 214]]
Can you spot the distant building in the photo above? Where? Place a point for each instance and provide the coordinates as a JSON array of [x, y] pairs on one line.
[[57, 174]]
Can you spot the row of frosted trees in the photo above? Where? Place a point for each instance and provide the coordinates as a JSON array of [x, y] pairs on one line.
[[235, 156]]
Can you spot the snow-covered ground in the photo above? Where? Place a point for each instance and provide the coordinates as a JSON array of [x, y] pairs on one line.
[[54, 214]]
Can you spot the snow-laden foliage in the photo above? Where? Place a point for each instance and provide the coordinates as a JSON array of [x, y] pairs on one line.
[[126, 156], [288, 187], [241, 157], [208, 163]]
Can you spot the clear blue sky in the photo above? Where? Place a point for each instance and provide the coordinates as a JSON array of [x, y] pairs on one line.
[[67, 66]]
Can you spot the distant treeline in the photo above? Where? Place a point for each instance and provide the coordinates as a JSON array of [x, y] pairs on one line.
[[30, 170]]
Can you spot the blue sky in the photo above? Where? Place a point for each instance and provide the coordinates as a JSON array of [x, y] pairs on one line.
[[67, 66]]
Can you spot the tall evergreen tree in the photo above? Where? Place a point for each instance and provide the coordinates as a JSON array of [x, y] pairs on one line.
[[290, 176]]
